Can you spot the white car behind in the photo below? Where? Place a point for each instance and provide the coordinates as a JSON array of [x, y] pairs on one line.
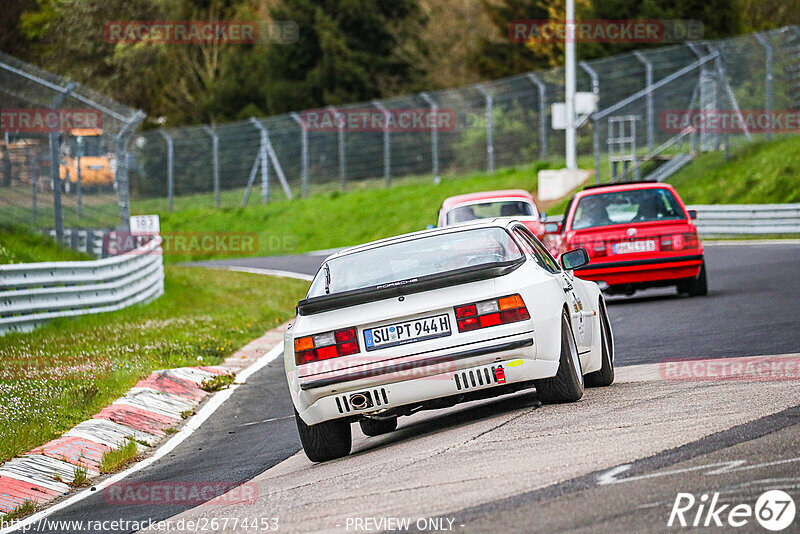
[[434, 318]]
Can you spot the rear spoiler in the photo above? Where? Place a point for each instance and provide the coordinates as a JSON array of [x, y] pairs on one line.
[[346, 299]]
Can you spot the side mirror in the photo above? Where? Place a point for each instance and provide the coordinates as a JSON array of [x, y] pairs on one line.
[[574, 259], [692, 214], [552, 228], [543, 216]]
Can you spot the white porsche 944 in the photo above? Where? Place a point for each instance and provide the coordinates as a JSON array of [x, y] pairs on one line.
[[434, 318]]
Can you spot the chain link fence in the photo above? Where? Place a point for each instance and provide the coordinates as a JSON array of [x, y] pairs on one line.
[[63, 152], [490, 126]]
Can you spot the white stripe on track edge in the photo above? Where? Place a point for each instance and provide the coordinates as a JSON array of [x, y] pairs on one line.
[[193, 424]]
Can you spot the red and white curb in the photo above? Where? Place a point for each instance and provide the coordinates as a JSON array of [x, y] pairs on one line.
[[144, 414]]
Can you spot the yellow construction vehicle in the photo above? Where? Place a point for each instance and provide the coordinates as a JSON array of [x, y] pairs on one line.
[[88, 154]]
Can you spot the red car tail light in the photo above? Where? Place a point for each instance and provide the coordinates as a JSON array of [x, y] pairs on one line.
[[492, 312], [679, 241], [325, 346]]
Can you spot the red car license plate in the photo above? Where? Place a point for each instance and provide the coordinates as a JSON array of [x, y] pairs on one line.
[[627, 247]]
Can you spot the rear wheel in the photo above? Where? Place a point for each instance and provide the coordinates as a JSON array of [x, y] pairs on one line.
[[695, 287], [376, 427], [605, 375], [324, 441], [567, 385]]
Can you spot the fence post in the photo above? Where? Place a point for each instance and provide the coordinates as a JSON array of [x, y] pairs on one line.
[[55, 164], [303, 152], [34, 163], [340, 144], [595, 138], [122, 168], [170, 168], [262, 155], [214, 161], [6, 162], [434, 136], [78, 177], [542, 114], [768, 59], [387, 147], [648, 66], [489, 128]]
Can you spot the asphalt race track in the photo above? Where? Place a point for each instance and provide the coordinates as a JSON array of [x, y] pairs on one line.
[[615, 461]]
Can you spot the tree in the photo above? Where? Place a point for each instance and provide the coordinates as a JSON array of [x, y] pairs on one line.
[[12, 40], [348, 50]]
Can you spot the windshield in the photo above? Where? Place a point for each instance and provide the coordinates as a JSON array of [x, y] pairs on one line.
[[414, 258], [487, 210], [641, 205]]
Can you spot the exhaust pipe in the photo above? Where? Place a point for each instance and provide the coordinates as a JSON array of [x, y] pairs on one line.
[[359, 401]]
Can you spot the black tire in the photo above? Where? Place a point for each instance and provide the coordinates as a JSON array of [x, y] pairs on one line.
[[376, 427], [695, 287], [567, 385], [605, 375], [324, 441]]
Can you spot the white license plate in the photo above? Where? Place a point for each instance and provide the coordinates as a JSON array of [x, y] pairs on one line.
[[407, 332], [626, 247]]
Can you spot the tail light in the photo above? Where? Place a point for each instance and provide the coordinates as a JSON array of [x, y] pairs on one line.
[[488, 313], [326, 345], [597, 249], [679, 241]]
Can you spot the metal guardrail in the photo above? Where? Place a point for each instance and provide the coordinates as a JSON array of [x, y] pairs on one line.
[[33, 293], [89, 241], [740, 219], [747, 219]]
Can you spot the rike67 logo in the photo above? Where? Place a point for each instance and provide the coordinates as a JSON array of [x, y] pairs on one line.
[[774, 510]]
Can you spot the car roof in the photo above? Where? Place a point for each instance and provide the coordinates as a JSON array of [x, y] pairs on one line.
[[470, 198], [497, 222], [627, 186]]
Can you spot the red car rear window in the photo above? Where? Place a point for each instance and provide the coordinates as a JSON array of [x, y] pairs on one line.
[[626, 207]]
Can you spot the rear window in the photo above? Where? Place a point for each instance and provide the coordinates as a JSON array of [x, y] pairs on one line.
[[489, 210], [621, 207], [413, 259]]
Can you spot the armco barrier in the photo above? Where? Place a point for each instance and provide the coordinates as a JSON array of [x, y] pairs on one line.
[[747, 219], [741, 219], [33, 293]]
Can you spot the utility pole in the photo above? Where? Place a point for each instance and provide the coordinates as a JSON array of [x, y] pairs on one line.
[[569, 85]]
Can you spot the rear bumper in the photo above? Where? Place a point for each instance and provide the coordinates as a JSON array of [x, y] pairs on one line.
[[435, 377], [643, 271]]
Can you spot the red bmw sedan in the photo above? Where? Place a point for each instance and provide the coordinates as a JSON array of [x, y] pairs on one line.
[[638, 235]]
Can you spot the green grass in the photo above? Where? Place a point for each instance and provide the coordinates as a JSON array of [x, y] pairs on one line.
[[19, 246], [66, 371], [336, 219], [758, 173], [115, 459], [25, 509], [217, 383]]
